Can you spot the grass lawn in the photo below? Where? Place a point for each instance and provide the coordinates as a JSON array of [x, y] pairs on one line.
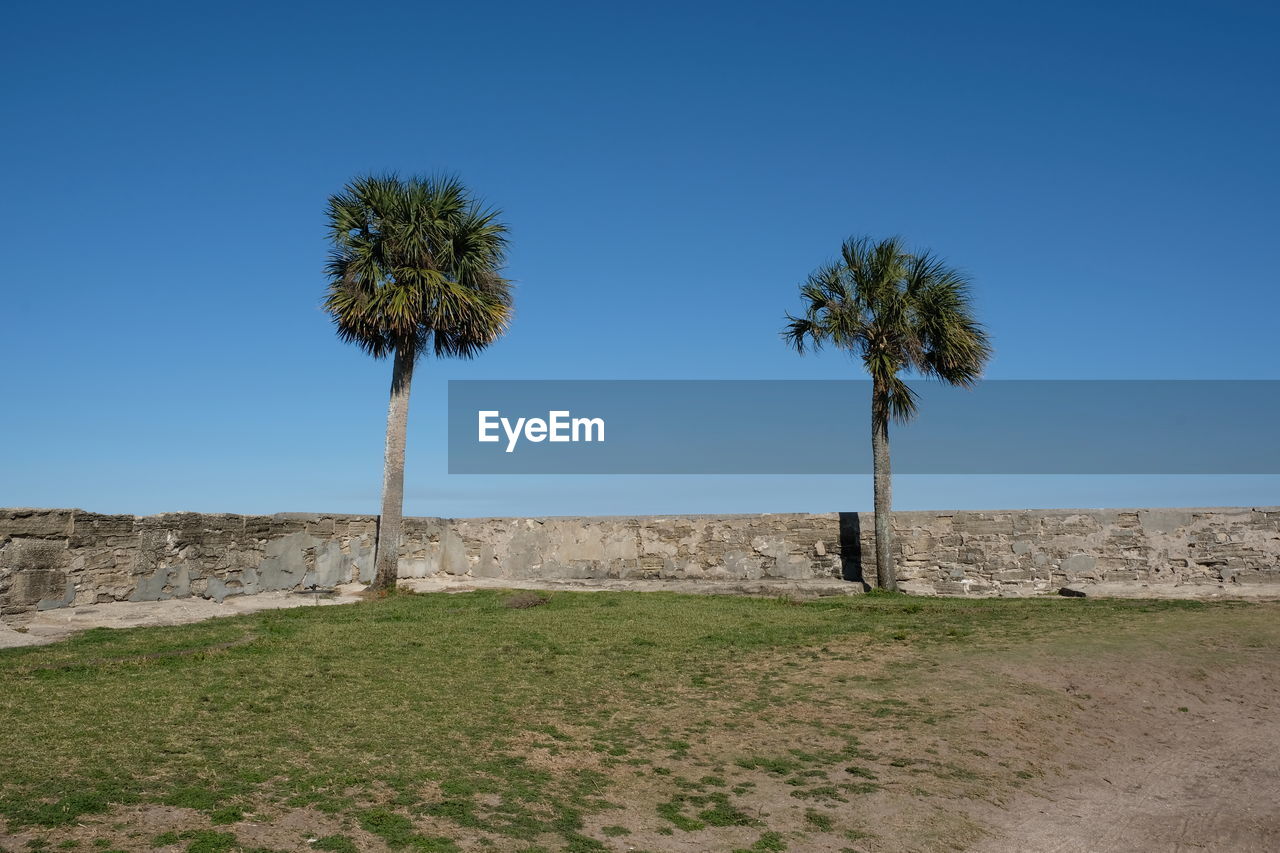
[[592, 721]]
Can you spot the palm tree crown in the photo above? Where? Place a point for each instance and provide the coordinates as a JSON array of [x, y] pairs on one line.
[[415, 267], [898, 312]]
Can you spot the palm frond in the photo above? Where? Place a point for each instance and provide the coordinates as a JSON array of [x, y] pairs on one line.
[[799, 330]]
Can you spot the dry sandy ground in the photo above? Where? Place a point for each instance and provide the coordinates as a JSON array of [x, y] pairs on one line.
[[49, 626], [1167, 752]]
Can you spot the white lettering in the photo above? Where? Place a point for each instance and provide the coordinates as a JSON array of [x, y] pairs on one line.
[[587, 424], [486, 424], [558, 426], [559, 423], [513, 435]]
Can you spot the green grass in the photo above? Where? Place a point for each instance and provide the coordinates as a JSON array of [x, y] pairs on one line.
[[429, 710]]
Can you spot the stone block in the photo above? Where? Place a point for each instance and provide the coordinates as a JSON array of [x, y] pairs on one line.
[[90, 529], [1079, 564], [980, 525], [20, 555], [36, 523], [31, 586]]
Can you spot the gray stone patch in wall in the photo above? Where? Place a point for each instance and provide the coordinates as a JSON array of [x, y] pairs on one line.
[[742, 566], [487, 565], [180, 581], [1079, 564], [414, 567], [779, 550], [333, 564], [149, 586], [558, 570], [522, 559], [1164, 520], [218, 590], [284, 562], [792, 566], [164, 583], [453, 554]]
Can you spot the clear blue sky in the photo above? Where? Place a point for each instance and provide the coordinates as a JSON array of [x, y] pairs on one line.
[[1107, 172]]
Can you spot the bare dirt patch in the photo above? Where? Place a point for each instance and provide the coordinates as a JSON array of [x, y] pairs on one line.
[[1171, 747]]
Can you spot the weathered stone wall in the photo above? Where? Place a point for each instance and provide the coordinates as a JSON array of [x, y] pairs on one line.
[[54, 558], [1029, 551], [57, 558], [1016, 552], [724, 547]]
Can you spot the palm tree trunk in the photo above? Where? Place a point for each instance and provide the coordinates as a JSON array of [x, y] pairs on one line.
[[886, 576], [391, 521]]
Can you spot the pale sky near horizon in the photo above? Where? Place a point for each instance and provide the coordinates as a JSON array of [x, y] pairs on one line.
[[1106, 172]]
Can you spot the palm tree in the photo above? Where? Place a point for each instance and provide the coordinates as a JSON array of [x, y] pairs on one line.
[[900, 313], [414, 269]]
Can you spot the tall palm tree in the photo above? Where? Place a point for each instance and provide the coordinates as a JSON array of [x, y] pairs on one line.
[[900, 312], [415, 268]]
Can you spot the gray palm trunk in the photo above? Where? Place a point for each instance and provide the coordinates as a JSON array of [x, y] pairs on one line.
[[886, 576], [391, 521]]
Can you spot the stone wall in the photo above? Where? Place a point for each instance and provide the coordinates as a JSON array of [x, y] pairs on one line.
[[1016, 552], [57, 558], [54, 558]]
